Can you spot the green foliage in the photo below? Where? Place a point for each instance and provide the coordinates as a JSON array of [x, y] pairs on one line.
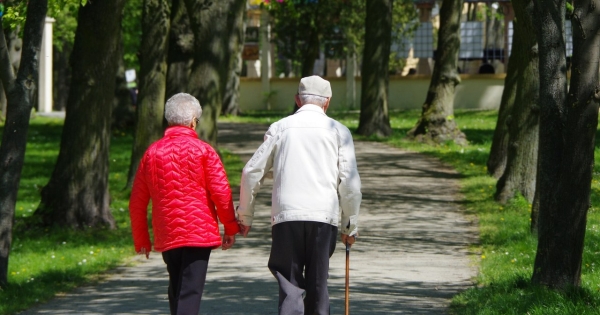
[[63, 11], [65, 14], [294, 21], [341, 24], [570, 8], [15, 14], [132, 32]]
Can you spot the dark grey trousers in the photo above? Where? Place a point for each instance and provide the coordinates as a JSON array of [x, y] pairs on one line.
[[187, 268], [299, 261]]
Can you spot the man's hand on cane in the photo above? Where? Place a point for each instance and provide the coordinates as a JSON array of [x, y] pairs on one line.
[[349, 240]]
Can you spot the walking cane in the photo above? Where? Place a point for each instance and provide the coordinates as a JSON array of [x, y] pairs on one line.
[[347, 310]]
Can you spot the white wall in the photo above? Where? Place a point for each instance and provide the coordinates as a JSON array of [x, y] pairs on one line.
[[409, 92]]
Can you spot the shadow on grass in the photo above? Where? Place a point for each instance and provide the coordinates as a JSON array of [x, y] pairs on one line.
[[518, 296], [17, 297], [479, 136]]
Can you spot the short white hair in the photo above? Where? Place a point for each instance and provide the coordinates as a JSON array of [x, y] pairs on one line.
[[181, 109], [313, 99]]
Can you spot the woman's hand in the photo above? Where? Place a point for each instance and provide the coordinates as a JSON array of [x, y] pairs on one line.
[[144, 251], [228, 241]]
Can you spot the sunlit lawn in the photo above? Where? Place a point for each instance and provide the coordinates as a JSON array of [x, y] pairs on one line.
[[45, 262]]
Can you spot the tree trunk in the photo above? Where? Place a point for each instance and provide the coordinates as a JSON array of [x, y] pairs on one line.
[[523, 126], [497, 159], [210, 21], [14, 45], [14, 137], [123, 112], [77, 194], [437, 124], [568, 124], [181, 47], [153, 78], [553, 91], [231, 97], [2, 103], [535, 206], [311, 51], [374, 116], [61, 76], [231, 93]]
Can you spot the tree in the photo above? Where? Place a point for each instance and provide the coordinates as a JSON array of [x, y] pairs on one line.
[[131, 33], [156, 16], [211, 22], [437, 124], [77, 193], [12, 23], [374, 117], [14, 138], [181, 47], [231, 91], [299, 27], [496, 162], [522, 122], [568, 123], [65, 14]]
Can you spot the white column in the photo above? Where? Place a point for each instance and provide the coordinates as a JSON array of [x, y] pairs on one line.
[[45, 99], [265, 52]]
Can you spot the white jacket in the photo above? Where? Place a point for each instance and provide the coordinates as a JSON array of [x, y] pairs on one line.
[[314, 172]]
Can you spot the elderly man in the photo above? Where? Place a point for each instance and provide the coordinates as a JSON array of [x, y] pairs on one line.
[[186, 181], [314, 175]]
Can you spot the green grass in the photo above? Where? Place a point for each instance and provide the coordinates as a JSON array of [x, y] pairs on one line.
[[44, 262], [506, 250]]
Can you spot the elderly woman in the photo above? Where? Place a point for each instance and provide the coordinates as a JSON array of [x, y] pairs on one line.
[[186, 181]]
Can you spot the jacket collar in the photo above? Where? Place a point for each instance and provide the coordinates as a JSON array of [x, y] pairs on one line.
[[311, 108], [176, 131]]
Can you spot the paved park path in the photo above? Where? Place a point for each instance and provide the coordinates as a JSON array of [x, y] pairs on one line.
[[411, 258]]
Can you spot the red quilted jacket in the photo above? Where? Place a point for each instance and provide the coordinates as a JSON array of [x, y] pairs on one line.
[[186, 181]]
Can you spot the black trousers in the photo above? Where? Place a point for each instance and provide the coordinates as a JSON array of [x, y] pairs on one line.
[[187, 268], [299, 261]]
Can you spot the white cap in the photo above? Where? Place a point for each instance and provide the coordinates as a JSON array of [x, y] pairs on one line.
[[315, 85]]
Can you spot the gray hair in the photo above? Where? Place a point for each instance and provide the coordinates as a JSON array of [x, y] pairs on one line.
[[313, 99], [181, 108]]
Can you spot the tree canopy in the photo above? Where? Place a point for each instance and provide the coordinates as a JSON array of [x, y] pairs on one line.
[[338, 23]]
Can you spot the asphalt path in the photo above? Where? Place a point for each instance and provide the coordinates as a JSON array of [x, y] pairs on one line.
[[411, 258]]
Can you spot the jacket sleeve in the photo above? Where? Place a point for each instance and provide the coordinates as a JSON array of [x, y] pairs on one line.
[[253, 175], [138, 209], [220, 191], [349, 183]]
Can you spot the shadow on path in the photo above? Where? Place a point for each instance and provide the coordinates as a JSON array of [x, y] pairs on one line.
[[411, 258]]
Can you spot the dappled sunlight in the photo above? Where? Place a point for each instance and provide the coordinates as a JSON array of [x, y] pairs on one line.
[[412, 253]]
